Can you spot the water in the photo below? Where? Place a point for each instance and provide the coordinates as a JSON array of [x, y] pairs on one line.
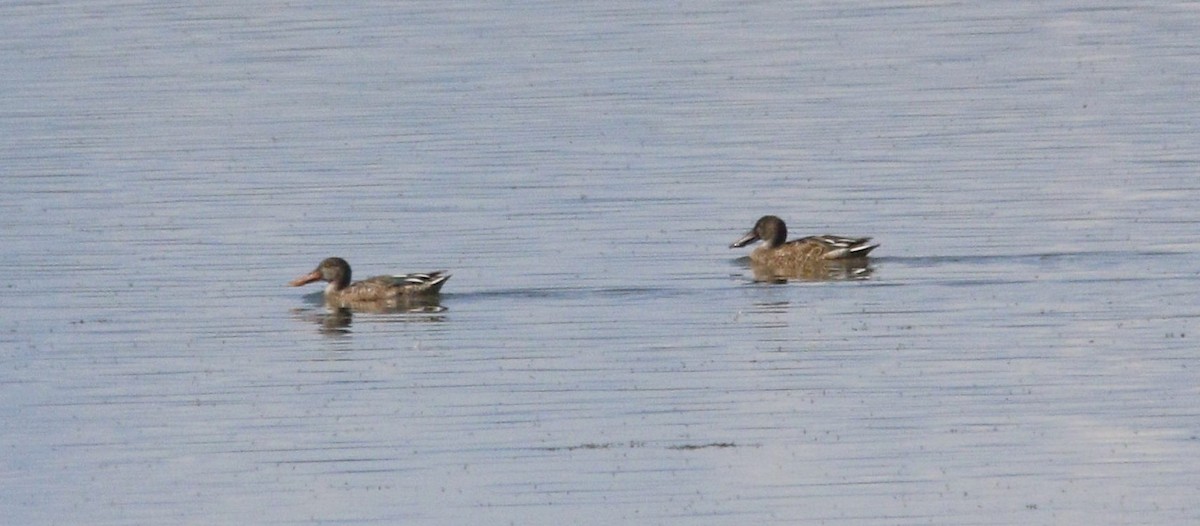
[[1023, 352]]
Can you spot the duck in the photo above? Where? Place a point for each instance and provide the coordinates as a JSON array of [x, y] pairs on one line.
[[390, 288], [776, 250]]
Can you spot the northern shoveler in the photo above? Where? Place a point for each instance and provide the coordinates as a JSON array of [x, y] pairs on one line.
[[377, 289], [776, 250]]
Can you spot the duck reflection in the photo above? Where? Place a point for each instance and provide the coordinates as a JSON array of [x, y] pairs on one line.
[[813, 270], [334, 322], [337, 319]]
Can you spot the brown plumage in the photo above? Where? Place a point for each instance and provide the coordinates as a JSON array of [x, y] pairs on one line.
[[776, 250], [342, 291]]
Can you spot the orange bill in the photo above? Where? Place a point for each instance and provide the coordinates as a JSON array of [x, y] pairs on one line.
[[306, 279]]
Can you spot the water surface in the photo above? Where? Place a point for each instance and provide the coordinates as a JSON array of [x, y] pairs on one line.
[[1022, 353]]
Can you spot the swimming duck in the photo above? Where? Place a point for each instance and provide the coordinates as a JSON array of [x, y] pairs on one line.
[[341, 291], [776, 250]]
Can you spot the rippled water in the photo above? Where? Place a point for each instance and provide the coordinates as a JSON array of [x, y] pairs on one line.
[[1023, 352]]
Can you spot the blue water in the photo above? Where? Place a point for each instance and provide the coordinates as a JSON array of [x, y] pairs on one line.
[[1023, 352]]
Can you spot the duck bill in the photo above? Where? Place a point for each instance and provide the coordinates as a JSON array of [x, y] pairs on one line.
[[306, 279], [750, 237]]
